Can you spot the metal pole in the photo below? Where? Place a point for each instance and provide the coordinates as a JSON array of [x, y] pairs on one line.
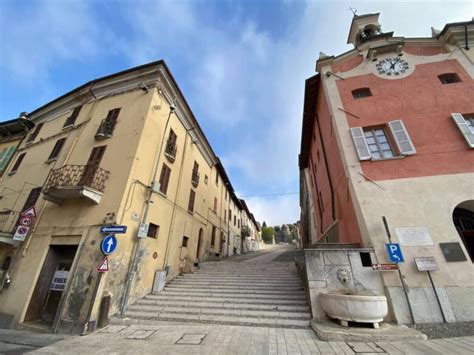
[[133, 265], [437, 297], [404, 285]]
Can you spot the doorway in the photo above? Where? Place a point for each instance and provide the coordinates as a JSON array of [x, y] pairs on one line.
[[463, 219], [199, 244], [51, 284]]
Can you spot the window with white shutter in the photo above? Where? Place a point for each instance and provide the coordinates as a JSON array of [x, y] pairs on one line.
[[360, 143], [466, 126], [402, 138]]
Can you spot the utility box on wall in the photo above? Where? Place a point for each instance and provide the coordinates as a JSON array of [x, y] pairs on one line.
[[159, 282]]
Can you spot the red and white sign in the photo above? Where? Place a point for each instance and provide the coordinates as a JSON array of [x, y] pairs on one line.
[[21, 233], [103, 265], [29, 212], [25, 221], [384, 267]]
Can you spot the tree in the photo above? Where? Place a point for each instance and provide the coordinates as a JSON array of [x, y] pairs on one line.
[[264, 225], [267, 234]]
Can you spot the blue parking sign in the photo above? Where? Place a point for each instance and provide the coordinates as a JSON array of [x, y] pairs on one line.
[[394, 252]]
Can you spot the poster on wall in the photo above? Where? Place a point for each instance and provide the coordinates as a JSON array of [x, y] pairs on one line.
[[59, 280]]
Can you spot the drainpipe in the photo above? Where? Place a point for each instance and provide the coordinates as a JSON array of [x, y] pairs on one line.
[[466, 47], [133, 265], [333, 207]]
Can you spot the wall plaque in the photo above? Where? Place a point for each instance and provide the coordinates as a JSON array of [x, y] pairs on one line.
[[426, 263], [452, 252], [418, 236]]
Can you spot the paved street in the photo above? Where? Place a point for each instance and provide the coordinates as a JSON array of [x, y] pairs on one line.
[[167, 337]]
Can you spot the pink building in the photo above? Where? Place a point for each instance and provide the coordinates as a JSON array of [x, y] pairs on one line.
[[388, 131]]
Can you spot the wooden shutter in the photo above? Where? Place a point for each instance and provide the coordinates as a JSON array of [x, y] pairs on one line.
[[34, 134], [72, 119], [402, 138], [360, 143], [164, 178], [18, 162], [57, 148], [192, 196], [5, 157], [464, 128], [32, 198]]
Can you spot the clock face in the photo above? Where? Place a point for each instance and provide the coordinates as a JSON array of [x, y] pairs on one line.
[[392, 66]]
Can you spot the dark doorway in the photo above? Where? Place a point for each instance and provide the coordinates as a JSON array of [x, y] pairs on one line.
[[198, 250], [464, 221], [92, 166], [51, 283]]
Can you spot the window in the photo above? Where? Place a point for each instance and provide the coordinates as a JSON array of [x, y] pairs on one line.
[[153, 230], [32, 198], [449, 78], [365, 259], [17, 163], [230, 215], [361, 93], [238, 223], [205, 179], [71, 119], [171, 146], [195, 175], [225, 196], [5, 156], [378, 143], [465, 124], [215, 204], [57, 148], [164, 178], [320, 201], [374, 142], [213, 236], [34, 134], [107, 126], [192, 196], [217, 178], [184, 244], [225, 215], [235, 220]]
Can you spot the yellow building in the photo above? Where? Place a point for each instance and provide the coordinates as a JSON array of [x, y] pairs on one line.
[[122, 150]]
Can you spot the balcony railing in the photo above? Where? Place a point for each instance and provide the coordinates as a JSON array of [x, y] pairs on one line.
[[195, 179], [106, 129], [170, 151], [8, 221], [71, 181]]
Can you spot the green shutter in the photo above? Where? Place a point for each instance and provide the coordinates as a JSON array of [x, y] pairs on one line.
[[5, 157]]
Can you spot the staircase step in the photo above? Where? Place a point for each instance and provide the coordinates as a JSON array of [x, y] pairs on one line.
[[142, 318], [243, 287], [240, 292], [242, 281], [300, 301], [156, 310], [222, 305]]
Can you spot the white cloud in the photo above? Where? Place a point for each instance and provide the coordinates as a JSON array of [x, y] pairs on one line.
[[275, 210], [40, 34]]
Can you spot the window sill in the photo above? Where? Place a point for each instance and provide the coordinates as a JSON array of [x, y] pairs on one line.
[[162, 194], [49, 161], [191, 212], [392, 158], [12, 173], [68, 127]]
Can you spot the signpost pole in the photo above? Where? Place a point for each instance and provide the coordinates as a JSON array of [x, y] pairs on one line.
[[404, 285], [437, 296]]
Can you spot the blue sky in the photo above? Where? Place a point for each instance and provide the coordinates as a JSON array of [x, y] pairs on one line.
[[241, 65]]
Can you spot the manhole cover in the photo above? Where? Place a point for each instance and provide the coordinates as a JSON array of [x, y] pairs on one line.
[[113, 329], [141, 334], [191, 339]]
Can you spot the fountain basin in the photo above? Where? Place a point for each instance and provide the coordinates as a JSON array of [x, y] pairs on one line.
[[355, 308]]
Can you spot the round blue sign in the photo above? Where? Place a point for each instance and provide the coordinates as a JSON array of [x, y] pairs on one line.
[[109, 244]]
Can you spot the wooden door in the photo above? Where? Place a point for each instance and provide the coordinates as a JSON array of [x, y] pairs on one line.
[[92, 165]]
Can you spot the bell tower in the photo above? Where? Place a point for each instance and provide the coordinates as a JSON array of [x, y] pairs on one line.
[[365, 28]]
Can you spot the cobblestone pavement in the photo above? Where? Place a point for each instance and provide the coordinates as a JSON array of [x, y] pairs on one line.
[[212, 339]]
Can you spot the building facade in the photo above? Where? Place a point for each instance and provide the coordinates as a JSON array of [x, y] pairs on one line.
[[388, 135], [124, 150]]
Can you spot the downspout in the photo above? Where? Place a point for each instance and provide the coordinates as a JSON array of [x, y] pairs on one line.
[[465, 38], [333, 207], [131, 271]]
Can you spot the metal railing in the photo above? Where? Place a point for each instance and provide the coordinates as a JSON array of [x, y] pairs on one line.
[[77, 176], [8, 221], [195, 178], [170, 150], [106, 129]]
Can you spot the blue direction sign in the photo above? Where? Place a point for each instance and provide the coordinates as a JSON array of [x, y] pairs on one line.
[[395, 252], [109, 244], [113, 229]]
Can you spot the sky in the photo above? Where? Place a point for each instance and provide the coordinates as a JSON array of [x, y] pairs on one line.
[[240, 64]]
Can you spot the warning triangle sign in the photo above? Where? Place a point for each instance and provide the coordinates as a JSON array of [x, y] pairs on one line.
[[30, 212], [103, 265]]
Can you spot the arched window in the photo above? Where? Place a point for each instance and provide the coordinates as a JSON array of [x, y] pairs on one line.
[[463, 219]]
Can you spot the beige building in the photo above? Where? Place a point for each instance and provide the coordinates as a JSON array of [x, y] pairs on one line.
[[125, 150]]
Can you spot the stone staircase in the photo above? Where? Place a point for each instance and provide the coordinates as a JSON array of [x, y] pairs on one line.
[[255, 294]]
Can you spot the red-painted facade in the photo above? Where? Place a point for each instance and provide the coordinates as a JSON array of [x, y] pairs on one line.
[[425, 106], [325, 163]]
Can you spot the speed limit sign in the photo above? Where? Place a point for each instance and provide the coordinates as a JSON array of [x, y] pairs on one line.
[[25, 221]]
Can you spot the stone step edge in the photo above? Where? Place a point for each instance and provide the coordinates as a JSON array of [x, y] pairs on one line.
[[236, 291], [242, 306], [147, 320], [307, 317], [232, 295], [237, 287], [302, 302], [187, 309]]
